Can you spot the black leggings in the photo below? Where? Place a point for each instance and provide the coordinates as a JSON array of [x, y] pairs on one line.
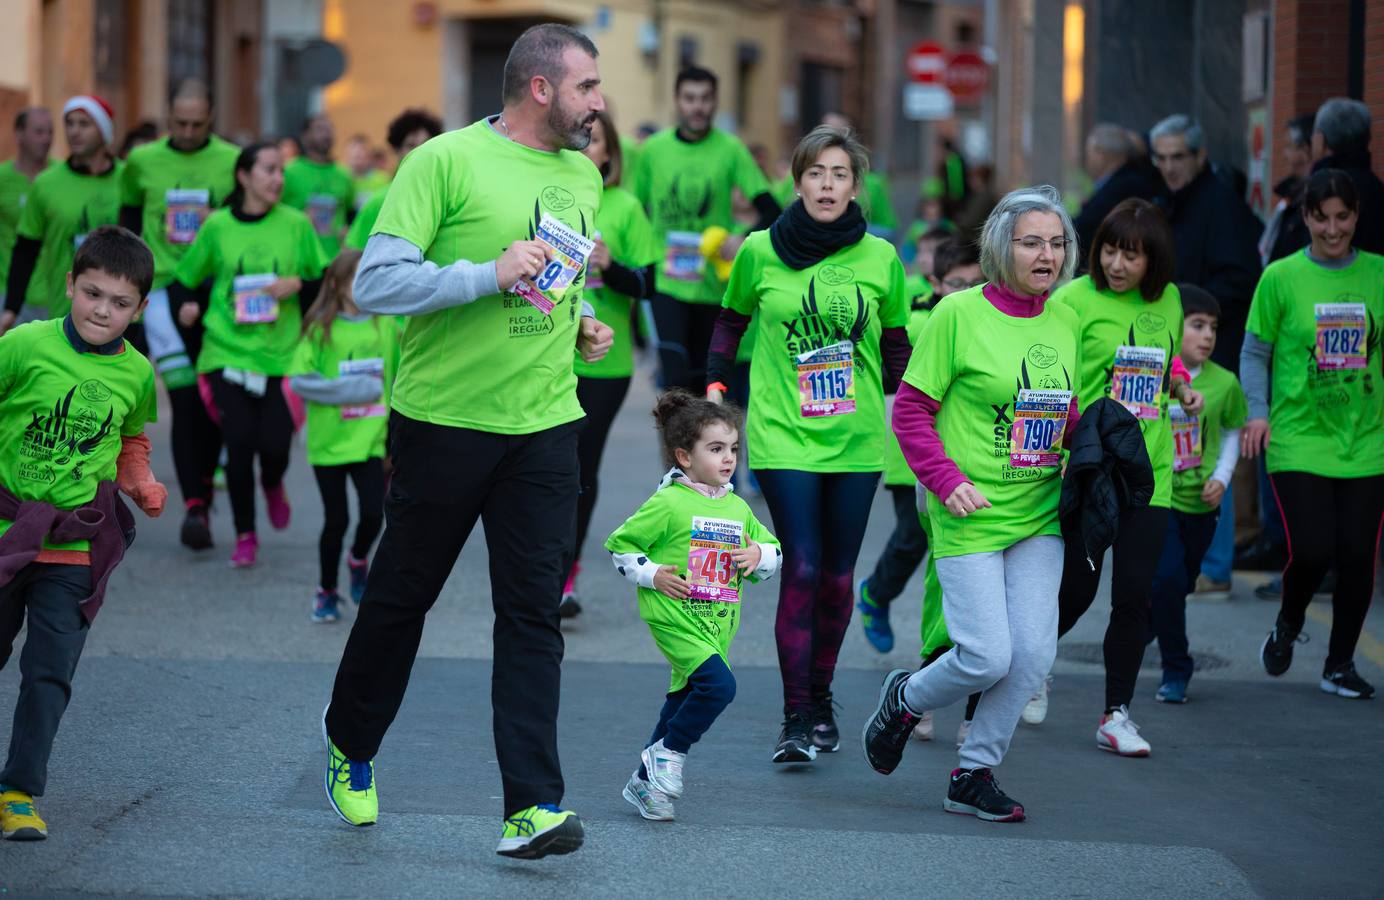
[[1330, 520], [196, 441], [252, 426], [601, 399], [684, 335], [1136, 552], [368, 477]]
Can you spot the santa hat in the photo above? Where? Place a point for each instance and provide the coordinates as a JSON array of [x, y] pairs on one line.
[[99, 110]]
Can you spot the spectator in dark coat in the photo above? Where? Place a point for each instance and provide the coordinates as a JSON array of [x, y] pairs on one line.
[[1341, 140], [1214, 231], [1286, 231], [1114, 164]]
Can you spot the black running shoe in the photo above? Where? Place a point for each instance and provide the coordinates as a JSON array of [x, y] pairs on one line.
[[570, 607], [795, 740], [1277, 652], [1344, 681], [974, 792], [196, 530], [826, 737], [886, 732]]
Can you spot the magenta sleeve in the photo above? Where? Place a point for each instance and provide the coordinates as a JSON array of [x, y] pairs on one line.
[[915, 424]]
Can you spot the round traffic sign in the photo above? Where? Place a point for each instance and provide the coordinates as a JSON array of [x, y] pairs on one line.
[[926, 63], [966, 76]]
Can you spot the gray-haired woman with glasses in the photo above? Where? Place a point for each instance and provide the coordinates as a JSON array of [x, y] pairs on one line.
[[982, 417]]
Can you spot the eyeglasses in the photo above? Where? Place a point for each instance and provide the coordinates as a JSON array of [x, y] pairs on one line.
[[960, 284], [1033, 243]]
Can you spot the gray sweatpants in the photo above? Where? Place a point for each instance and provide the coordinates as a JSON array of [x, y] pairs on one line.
[[1001, 612]]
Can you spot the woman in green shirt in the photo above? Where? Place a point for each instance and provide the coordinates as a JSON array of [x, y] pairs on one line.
[[1316, 318], [261, 258], [830, 310], [619, 274], [1129, 316]]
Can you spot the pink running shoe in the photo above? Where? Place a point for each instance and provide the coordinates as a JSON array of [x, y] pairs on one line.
[[246, 549], [277, 502]]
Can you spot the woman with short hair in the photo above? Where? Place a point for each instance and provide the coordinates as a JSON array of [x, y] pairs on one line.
[[982, 416]]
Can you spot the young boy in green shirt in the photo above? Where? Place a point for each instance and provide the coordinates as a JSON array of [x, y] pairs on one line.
[[74, 400], [1205, 451]]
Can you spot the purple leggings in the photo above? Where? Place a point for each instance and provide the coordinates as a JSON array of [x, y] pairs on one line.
[[820, 519]]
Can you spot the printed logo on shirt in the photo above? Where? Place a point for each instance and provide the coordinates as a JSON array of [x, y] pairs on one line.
[[65, 433], [686, 204], [523, 318], [826, 320], [1150, 323], [835, 275], [1042, 356]]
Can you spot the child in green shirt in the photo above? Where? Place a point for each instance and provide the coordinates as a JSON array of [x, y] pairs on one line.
[[1206, 448], [689, 550], [343, 368], [74, 399]]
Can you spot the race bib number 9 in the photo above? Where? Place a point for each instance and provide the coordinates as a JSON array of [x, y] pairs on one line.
[[371, 366], [826, 381], [1040, 421], [253, 304], [1137, 380], [184, 213], [1186, 438], [683, 260], [1340, 336], [569, 250], [711, 572], [321, 211]]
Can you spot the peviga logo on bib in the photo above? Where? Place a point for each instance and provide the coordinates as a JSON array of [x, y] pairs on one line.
[[1004, 412], [63, 434], [843, 319], [1327, 386], [524, 320]]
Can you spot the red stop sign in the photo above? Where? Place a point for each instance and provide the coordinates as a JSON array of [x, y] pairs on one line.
[[966, 76], [926, 63]]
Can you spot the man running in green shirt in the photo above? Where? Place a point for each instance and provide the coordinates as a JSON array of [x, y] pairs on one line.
[[33, 136], [684, 176], [167, 190], [65, 204], [484, 421], [319, 186], [410, 129]]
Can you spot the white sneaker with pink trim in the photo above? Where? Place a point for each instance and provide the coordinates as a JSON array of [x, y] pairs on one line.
[[1119, 734]]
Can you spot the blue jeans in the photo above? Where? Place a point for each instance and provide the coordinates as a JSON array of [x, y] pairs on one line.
[[688, 713], [1189, 534], [1221, 554]]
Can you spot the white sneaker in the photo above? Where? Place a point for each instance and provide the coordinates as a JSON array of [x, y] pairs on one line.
[[963, 732], [649, 800], [1036, 710], [923, 730], [665, 768], [1120, 735]]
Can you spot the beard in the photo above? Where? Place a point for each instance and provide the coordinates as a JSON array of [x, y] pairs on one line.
[[572, 130]]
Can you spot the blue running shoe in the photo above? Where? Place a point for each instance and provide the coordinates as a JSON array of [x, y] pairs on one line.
[[1172, 692], [359, 571], [875, 619], [325, 606]]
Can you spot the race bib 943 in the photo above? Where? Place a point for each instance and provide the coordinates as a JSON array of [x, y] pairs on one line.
[[711, 572]]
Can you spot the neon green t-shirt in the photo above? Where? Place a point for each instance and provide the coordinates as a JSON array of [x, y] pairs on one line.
[[177, 190], [1327, 413], [245, 328], [817, 394], [368, 185], [340, 435], [626, 230], [1197, 440], [14, 193], [981, 365], [366, 217], [1109, 321], [686, 189], [498, 364], [63, 207], [876, 205], [325, 192], [63, 414], [689, 632], [896, 470]]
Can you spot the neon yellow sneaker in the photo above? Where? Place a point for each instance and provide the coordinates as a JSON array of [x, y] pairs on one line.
[[539, 830], [350, 785], [19, 821]]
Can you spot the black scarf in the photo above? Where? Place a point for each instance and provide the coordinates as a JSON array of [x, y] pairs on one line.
[[801, 241]]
